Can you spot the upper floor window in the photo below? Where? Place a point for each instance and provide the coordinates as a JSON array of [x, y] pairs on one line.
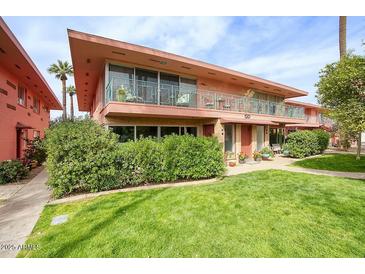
[[36, 104], [22, 95]]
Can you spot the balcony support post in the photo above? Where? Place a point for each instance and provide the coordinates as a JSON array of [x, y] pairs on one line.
[[158, 88]]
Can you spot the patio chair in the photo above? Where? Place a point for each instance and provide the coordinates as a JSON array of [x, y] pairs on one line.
[[183, 100], [276, 148]]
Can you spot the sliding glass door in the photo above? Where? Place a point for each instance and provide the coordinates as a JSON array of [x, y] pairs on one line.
[[260, 137], [229, 138]]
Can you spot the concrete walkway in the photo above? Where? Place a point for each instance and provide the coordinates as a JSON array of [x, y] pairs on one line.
[[20, 213]]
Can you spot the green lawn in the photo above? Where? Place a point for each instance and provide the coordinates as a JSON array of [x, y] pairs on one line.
[[334, 162], [259, 214]]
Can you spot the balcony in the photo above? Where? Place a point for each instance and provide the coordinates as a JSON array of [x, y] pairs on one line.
[[146, 92]]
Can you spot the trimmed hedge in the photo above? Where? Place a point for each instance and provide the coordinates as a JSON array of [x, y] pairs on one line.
[[323, 139], [169, 159], [12, 171], [304, 143], [83, 156]]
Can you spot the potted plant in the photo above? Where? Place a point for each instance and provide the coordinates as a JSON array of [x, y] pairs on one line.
[[242, 158], [121, 93], [286, 151], [257, 156], [267, 153]]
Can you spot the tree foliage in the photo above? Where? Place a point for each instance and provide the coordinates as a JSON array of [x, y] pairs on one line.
[[341, 89]]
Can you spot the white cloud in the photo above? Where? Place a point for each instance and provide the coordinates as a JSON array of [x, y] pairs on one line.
[[290, 50], [180, 35]]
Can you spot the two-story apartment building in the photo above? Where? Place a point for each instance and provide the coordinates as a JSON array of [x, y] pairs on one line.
[[25, 97], [138, 91]]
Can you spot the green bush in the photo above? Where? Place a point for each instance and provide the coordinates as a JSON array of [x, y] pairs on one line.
[[169, 159], [81, 157], [35, 151], [302, 143], [189, 157], [141, 161], [323, 139], [12, 171]]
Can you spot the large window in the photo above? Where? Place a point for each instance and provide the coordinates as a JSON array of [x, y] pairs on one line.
[[169, 130], [190, 130], [146, 131], [126, 133], [22, 96], [146, 86], [121, 81], [130, 133], [229, 138], [187, 95], [149, 87], [169, 88]]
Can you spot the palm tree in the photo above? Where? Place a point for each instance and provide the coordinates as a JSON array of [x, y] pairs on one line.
[[342, 36], [71, 90], [61, 71]]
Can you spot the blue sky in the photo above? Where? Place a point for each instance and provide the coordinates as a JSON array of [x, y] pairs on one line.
[[288, 50]]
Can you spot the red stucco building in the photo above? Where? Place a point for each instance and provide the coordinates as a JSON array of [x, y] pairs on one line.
[[139, 91], [25, 97]]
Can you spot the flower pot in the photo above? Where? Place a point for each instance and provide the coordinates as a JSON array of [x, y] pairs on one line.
[[232, 164], [242, 161], [258, 159], [265, 156]]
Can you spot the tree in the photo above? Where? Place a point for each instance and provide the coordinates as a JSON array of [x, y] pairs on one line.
[[342, 35], [61, 71], [71, 90], [341, 89]]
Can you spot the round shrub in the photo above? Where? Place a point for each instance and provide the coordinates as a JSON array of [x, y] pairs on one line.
[[140, 162], [323, 139], [12, 171], [81, 157], [302, 143]]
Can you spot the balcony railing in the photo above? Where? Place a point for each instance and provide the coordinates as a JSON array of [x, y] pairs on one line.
[[147, 92], [127, 90]]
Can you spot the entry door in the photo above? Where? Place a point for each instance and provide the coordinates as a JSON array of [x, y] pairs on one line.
[[208, 130], [18, 143], [260, 137], [246, 140]]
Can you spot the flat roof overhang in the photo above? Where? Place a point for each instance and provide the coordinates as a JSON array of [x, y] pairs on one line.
[[304, 125], [303, 104], [89, 53], [14, 59], [115, 109], [248, 121]]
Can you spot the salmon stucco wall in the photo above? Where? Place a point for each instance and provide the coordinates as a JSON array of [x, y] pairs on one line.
[[12, 113], [98, 101]]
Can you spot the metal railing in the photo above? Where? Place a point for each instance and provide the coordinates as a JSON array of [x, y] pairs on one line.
[[147, 92], [223, 101]]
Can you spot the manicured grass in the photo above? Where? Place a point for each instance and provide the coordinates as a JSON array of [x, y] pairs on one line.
[[334, 162], [260, 214]]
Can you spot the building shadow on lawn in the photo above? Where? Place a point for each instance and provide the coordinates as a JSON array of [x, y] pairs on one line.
[[65, 249]]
